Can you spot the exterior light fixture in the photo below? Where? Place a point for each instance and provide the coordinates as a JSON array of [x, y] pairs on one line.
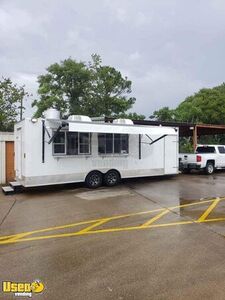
[[34, 120]]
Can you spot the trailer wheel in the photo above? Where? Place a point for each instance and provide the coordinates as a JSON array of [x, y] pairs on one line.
[[111, 178], [94, 179], [209, 169]]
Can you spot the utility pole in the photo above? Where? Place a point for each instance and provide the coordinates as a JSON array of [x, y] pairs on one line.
[[195, 136], [21, 109]]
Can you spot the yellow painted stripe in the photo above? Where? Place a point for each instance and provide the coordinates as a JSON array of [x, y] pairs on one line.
[[18, 236], [157, 217], [93, 226], [7, 236], [79, 223], [196, 203], [112, 218], [49, 229], [211, 220], [209, 210], [93, 232], [109, 230]]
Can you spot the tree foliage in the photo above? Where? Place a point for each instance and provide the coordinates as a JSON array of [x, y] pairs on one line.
[[206, 106], [63, 87], [163, 114], [11, 99], [131, 116], [79, 88]]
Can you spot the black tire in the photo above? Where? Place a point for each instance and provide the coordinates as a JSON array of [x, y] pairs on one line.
[[111, 178], [94, 179], [209, 169]]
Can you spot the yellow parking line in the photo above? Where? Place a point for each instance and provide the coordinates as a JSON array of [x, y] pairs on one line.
[[80, 233], [80, 223], [112, 218], [209, 210], [93, 232], [49, 229], [211, 220], [7, 236], [166, 211], [20, 237], [196, 203], [94, 225]]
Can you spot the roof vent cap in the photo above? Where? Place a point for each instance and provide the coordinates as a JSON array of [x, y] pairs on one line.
[[79, 118], [123, 121], [52, 113]]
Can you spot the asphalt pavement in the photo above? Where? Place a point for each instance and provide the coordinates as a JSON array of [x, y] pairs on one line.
[[148, 238]]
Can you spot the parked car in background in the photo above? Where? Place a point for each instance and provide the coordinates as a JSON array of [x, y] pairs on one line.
[[206, 157]]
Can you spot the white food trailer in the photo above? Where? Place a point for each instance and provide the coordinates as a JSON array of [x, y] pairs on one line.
[[54, 151]]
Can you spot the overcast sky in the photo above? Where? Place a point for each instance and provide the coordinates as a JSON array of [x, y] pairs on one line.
[[169, 49]]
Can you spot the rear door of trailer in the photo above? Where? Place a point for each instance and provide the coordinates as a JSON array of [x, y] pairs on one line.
[[171, 154]]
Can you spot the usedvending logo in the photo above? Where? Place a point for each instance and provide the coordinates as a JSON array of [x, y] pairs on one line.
[[23, 289]]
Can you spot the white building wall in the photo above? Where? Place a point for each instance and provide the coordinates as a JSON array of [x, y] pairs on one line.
[[4, 137]]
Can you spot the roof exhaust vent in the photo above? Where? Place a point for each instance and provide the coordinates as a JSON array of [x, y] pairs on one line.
[[79, 118], [51, 113], [123, 122]]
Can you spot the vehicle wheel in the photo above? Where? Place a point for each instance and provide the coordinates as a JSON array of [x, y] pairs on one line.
[[209, 169], [94, 179], [111, 178]]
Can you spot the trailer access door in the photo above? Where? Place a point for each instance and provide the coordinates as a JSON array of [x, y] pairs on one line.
[[171, 154]]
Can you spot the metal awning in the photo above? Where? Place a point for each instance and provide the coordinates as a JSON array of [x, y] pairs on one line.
[[113, 128], [159, 132], [122, 129]]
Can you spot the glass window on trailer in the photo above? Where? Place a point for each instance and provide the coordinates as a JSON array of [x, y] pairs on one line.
[[109, 143], [120, 143], [205, 149], [84, 143], [72, 143], [59, 144]]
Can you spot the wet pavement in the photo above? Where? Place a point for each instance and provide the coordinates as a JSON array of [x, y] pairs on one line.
[[149, 238]]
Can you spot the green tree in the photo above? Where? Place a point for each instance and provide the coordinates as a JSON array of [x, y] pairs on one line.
[[109, 91], [79, 88], [11, 103], [205, 106], [163, 114], [131, 116], [63, 87]]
